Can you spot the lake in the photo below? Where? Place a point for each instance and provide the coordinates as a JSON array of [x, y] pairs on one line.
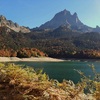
[[65, 70]]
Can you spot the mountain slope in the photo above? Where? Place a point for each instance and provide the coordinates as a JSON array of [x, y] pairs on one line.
[[61, 42], [62, 18], [12, 26], [65, 18]]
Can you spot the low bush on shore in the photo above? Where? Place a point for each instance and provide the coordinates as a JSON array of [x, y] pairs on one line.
[[25, 83]]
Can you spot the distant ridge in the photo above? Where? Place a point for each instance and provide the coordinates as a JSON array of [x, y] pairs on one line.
[[12, 26], [65, 18], [62, 18]]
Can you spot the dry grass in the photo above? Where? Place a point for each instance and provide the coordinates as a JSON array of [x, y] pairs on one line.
[[18, 83]]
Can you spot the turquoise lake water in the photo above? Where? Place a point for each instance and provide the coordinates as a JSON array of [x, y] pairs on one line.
[[64, 70]]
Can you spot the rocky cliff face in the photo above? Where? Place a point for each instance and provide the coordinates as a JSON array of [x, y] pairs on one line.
[[13, 26]]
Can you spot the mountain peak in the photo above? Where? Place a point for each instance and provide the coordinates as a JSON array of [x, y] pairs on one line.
[[62, 18], [75, 14], [97, 26], [65, 12], [2, 17], [65, 18]]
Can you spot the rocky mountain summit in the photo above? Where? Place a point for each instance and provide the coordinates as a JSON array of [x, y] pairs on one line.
[[62, 19], [10, 25], [65, 18]]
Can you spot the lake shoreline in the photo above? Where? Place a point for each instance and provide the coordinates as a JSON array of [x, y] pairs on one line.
[[34, 59], [42, 59]]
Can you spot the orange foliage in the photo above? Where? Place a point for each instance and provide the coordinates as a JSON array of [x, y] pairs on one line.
[[24, 52], [8, 53], [27, 52]]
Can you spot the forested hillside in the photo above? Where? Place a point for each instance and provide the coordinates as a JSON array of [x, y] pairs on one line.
[[61, 42]]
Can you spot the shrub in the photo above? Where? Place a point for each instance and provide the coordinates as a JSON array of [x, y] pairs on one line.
[[24, 83], [91, 84]]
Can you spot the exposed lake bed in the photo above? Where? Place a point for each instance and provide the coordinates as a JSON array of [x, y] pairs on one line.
[[39, 59]]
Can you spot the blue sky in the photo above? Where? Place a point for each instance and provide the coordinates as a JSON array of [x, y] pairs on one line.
[[33, 13]]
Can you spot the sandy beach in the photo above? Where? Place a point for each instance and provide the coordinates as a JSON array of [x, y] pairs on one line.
[[11, 59]]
